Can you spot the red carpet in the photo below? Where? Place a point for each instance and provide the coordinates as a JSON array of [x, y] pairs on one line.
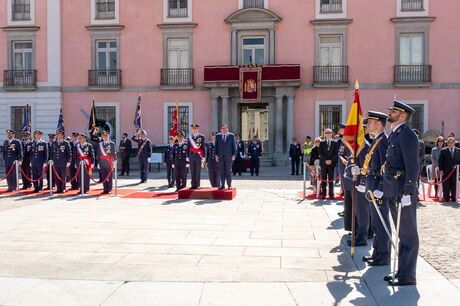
[[207, 194], [68, 193], [151, 195], [312, 196]]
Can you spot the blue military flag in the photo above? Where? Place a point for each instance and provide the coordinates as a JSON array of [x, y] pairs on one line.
[[26, 126], [60, 124], [138, 115]]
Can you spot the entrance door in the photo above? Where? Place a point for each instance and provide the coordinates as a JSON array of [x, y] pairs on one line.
[[254, 121]]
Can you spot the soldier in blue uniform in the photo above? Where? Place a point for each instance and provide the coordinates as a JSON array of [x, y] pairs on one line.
[[38, 159], [169, 162], [85, 153], [12, 151], [144, 150], [211, 162], [375, 160], [295, 152], [51, 139], [240, 150], [254, 153], [61, 157], [196, 155], [74, 184], [181, 157], [401, 171], [26, 145], [125, 152], [107, 156]]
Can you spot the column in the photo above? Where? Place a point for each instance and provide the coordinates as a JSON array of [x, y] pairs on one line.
[[214, 115], [234, 47], [289, 120], [272, 47], [225, 117], [279, 125]]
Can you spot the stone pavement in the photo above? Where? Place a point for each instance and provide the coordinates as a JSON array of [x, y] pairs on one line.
[[264, 248]]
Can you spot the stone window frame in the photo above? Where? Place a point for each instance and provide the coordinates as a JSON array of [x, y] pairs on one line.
[[331, 29], [21, 35], [424, 13], [167, 19], [95, 21], [318, 103], [265, 34], [104, 33], [409, 28], [319, 15], [241, 4], [177, 31], [11, 22]]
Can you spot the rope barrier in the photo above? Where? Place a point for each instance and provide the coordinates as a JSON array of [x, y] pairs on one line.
[[442, 181], [102, 181], [63, 181], [7, 173], [35, 180], [324, 181]]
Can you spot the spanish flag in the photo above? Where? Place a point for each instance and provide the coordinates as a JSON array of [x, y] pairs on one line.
[[174, 131], [353, 135]]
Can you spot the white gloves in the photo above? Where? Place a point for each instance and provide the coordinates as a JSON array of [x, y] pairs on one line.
[[187, 166], [361, 188], [44, 165], [289, 158], [378, 194], [187, 159], [148, 159], [355, 170], [68, 165], [172, 166], [405, 200], [98, 166]]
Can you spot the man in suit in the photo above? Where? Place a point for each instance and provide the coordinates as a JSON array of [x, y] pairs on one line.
[[211, 163], [328, 150], [295, 153], [169, 162], [196, 155], [448, 159], [12, 152], [238, 164], [26, 170], [38, 158], [62, 155], [124, 149], [254, 153], [225, 155], [144, 150]]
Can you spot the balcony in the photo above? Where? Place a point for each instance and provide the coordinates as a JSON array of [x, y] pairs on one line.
[[253, 3], [20, 79], [177, 8], [104, 79], [333, 7], [20, 11], [330, 76], [177, 78], [412, 5], [105, 10], [413, 75]]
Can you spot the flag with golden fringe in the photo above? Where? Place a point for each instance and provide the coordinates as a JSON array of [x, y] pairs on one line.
[[353, 135]]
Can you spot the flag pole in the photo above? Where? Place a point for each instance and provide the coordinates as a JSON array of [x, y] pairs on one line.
[[353, 191]]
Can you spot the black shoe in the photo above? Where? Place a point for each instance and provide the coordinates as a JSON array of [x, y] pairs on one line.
[[105, 192], [357, 243], [332, 198], [366, 258], [374, 263], [36, 191], [230, 187], [221, 187], [370, 236], [292, 173], [47, 188], [341, 214], [388, 278], [397, 282]]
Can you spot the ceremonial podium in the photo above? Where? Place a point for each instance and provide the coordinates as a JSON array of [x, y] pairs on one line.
[[207, 194]]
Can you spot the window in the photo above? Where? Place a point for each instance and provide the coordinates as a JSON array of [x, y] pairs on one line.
[[106, 58], [331, 50], [105, 9], [177, 8], [178, 53], [106, 73], [20, 10], [183, 119], [416, 120], [411, 47], [330, 117], [22, 55], [253, 51], [108, 114], [330, 6], [412, 5], [19, 117], [253, 3]]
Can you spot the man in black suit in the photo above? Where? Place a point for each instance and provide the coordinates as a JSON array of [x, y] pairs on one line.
[[448, 159], [328, 150], [124, 150], [225, 155]]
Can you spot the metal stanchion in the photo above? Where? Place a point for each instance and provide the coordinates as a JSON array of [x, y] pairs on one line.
[[82, 174], [16, 162], [50, 165], [304, 179], [318, 181], [456, 182], [116, 178]]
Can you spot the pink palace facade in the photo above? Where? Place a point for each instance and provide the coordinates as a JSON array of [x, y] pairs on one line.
[[56, 53]]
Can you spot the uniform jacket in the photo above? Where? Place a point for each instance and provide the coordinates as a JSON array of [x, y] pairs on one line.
[[197, 143], [374, 177], [106, 150], [169, 154], [295, 151], [146, 149], [85, 152], [26, 147], [181, 151], [240, 149], [211, 154], [39, 154], [255, 150], [61, 152], [12, 150]]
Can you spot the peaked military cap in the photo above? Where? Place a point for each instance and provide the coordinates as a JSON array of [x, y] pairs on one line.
[[104, 133], [402, 107], [51, 135], [38, 132], [75, 134], [60, 131], [26, 133], [195, 125], [11, 131], [376, 115], [341, 125]]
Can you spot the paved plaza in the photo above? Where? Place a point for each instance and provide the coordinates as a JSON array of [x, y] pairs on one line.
[[266, 247]]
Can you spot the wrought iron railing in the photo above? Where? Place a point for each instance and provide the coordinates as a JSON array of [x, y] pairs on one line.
[[412, 74], [20, 10], [253, 3], [177, 77], [104, 78], [330, 74], [177, 8], [333, 7], [412, 5], [105, 9], [20, 78]]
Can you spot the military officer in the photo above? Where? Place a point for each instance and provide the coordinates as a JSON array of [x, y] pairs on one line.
[[107, 156], [375, 159], [26, 145], [211, 162], [85, 153], [51, 139], [196, 155], [254, 153], [181, 158], [38, 159], [169, 162], [12, 152], [400, 187], [61, 156], [144, 150], [74, 184], [240, 150], [124, 149], [295, 153]]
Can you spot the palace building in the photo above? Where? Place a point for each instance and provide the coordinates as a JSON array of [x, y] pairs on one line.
[[272, 68]]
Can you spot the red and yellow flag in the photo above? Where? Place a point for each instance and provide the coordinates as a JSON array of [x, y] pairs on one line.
[[353, 135], [175, 128]]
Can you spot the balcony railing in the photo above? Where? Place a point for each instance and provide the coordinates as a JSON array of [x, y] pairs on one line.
[[20, 79], [333, 7], [330, 75], [20, 11], [177, 8], [105, 10], [177, 77], [104, 79], [412, 5], [412, 74], [253, 3]]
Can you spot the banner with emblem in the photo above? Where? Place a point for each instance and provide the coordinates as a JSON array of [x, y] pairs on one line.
[[250, 84]]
